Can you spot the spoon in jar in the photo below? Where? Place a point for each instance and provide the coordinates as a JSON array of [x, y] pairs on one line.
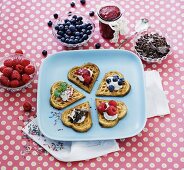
[[140, 26]]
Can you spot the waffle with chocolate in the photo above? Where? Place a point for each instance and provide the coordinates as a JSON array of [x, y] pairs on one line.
[[78, 117]]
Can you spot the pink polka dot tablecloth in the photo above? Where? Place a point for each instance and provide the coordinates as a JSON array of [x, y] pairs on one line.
[[23, 25]]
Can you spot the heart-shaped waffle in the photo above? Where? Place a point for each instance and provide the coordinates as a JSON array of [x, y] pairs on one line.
[[85, 125], [103, 89], [93, 71], [56, 99]]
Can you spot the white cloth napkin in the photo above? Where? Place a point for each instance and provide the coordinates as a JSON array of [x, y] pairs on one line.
[[156, 105]]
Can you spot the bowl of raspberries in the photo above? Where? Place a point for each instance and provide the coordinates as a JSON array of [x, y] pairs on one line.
[[73, 30], [16, 72]]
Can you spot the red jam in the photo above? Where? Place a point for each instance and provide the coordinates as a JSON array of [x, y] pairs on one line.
[[108, 14]]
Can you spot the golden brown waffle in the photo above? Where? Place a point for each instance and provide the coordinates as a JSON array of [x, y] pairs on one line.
[[104, 91], [79, 127], [73, 78], [122, 111], [57, 102]]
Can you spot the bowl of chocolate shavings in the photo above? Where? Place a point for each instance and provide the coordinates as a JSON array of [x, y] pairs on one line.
[[152, 46]]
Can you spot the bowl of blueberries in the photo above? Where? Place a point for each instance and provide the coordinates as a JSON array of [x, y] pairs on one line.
[[73, 30]]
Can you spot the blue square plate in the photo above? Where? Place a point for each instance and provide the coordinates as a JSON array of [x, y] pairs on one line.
[[55, 67]]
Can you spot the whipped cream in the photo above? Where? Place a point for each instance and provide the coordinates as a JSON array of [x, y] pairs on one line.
[[65, 96], [108, 117], [115, 84], [72, 114]]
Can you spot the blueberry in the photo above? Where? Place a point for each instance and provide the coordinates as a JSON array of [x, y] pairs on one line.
[[57, 27], [67, 40], [55, 16], [97, 45], [120, 81], [72, 37], [81, 40], [83, 30], [85, 36], [78, 27], [63, 39], [72, 4], [108, 80], [115, 79], [66, 27], [59, 37], [89, 27], [88, 32], [111, 88], [44, 52], [77, 34], [76, 41], [71, 41], [49, 23], [66, 20], [60, 33], [91, 13], [73, 21], [82, 2], [77, 37], [74, 16], [68, 32], [72, 28], [68, 23], [79, 18], [61, 27]]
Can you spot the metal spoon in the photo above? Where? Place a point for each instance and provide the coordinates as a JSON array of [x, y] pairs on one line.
[[141, 25]]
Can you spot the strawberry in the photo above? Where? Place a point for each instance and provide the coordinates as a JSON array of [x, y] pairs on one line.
[[87, 79], [19, 68], [25, 78], [14, 83], [25, 62], [15, 62], [1, 68], [15, 75], [27, 107], [18, 52], [113, 103], [7, 71], [111, 110], [102, 107], [4, 80], [29, 69], [8, 63]]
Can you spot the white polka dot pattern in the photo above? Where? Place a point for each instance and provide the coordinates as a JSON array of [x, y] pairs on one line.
[[158, 146]]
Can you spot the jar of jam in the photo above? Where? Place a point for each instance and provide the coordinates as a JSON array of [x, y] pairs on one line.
[[110, 20]]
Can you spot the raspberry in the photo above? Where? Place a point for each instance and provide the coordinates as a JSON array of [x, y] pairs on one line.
[[19, 68], [25, 78], [27, 107], [113, 103], [21, 83], [7, 71], [14, 83], [111, 110], [8, 63], [18, 52], [25, 62], [15, 75], [15, 62], [102, 107], [1, 68], [87, 79], [4, 81], [29, 69]]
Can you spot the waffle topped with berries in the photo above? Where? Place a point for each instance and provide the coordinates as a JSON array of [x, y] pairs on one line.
[[84, 76], [78, 117], [110, 112], [63, 95], [113, 84]]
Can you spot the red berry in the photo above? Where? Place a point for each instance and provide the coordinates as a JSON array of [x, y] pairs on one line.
[[7, 71], [87, 79], [15, 75], [19, 68], [25, 62], [85, 72], [111, 110], [25, 78], [4, 80], [29, 69], [8, 63], [102, 107], [1, 68], [14, 83], [21, 83], [27, 107], [18, 52], [15, 62], [113, 103]]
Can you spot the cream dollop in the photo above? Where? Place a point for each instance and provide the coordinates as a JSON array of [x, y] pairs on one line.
[[72, 114], [65, 96], [108, 117]]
